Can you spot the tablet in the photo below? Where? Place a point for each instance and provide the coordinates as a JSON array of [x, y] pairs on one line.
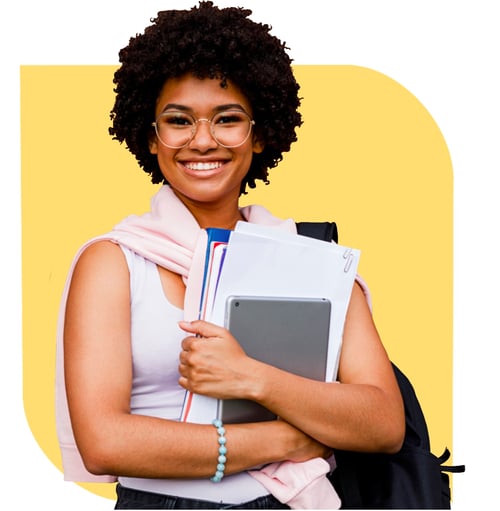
[[287, 332]]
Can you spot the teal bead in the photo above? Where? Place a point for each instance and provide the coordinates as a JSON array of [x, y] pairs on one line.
[[222, 449], [222, 459]]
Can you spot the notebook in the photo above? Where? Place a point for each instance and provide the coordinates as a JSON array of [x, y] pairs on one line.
[[286, 332]]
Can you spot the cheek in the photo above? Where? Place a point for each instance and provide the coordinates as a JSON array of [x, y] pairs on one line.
[[166, 161], [245, 162]]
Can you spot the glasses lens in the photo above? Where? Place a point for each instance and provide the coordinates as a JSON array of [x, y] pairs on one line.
[[175, 129], [231, 128]]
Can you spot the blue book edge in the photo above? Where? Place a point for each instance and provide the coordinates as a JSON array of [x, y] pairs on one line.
[[214, 235]]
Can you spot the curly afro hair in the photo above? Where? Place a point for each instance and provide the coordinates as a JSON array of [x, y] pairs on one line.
[[207, 42]]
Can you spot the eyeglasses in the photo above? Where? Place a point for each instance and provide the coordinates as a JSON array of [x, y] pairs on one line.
[[230, 128]]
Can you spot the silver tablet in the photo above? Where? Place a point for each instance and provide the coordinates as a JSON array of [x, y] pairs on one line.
[[288, 333]]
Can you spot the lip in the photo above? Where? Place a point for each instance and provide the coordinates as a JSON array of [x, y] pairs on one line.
[[203, 168]]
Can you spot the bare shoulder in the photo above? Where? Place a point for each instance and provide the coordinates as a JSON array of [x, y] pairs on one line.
[[101, 254], [106, 250], [102, 263]]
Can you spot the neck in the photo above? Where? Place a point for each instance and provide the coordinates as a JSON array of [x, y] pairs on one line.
[[220, 220], [223, 216]]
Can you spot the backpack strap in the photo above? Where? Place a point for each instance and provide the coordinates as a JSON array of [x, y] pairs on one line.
[[326, 231], [455, 469]]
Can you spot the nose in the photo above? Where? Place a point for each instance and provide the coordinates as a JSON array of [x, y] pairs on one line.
[[203, 139]]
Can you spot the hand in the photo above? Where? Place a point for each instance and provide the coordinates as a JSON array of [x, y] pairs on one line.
[[213, 363], [303, 447]]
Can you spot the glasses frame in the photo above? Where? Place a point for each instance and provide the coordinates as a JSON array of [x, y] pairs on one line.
[[194, 128]]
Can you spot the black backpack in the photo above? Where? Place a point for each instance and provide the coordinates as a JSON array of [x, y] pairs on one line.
[[412, 478]]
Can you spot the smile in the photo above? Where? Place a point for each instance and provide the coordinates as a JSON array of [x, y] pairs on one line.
[[210, 165]]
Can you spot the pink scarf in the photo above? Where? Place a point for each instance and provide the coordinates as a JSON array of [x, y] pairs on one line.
[[169, 236]]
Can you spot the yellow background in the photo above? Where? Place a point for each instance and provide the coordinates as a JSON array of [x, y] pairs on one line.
[[369, 157]]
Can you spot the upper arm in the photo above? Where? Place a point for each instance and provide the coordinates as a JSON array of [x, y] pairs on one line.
[[97, 353], [363, 358]]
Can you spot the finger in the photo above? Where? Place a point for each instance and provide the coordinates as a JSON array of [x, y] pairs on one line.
[[183, 369], [183, 382], [202, 328], [183, 356], [188, 344]]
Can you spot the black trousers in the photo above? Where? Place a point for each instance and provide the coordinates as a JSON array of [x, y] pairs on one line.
[[128, 498]]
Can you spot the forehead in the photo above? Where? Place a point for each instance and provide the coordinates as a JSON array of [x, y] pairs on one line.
[[201, 96]]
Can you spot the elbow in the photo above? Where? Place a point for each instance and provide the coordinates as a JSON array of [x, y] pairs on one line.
[[97, 461], [98, 454], [100, 444], [386, 441], [393, 426], [399, 438], [394, 434], [393, 442], [386, 432]]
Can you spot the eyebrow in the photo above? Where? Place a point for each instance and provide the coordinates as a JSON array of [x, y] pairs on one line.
[[219, 108]]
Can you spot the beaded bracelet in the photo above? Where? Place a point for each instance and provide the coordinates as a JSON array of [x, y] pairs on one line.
[[221, 459]]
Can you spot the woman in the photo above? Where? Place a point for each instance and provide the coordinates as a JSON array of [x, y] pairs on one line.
[[207, 102]]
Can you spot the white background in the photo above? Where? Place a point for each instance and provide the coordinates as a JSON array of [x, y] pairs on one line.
[[445, 52]]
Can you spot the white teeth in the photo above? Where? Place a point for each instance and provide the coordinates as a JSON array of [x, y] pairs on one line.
[[203, 165]]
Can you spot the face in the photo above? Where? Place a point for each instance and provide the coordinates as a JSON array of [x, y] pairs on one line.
[[203, 173]]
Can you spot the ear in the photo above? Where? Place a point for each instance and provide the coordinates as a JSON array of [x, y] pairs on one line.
[[153, 144], [257, 146]]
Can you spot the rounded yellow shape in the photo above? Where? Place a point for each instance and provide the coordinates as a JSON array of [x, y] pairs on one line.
[[369, 157]]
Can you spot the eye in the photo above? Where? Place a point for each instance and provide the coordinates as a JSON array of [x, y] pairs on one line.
[[230, 118], [176, 119]]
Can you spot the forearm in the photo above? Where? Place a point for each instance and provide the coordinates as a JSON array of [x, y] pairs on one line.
[[140, 446], [344, 416]]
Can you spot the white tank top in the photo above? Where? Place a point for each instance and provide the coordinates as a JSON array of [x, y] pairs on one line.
[[156, 340]]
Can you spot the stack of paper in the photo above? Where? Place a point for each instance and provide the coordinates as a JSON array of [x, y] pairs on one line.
[[265, 261]]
